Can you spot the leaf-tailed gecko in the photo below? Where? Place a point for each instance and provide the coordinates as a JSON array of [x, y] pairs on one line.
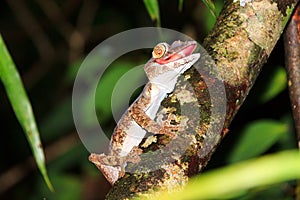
[[162, 70]]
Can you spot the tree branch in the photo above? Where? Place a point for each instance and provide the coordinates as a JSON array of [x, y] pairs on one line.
[[240, 43], [292, 56], [292, 63]]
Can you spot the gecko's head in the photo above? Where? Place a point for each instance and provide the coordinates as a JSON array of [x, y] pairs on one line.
[[164, 53], [169, 61]]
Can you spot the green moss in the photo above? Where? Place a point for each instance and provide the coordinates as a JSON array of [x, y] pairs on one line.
[[288, 12]]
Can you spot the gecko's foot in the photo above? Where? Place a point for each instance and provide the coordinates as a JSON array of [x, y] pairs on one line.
[[97, 159], [112, 173], [168, 128], [102, 159], [134, 155]]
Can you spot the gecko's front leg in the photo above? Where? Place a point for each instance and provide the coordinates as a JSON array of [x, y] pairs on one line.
[[139, 115], [163, 127]]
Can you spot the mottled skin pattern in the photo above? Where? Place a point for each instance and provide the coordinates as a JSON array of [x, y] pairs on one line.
[[136, 111], [162, 70]]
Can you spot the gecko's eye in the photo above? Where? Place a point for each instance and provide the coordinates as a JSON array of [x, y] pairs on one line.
[[159, 50]]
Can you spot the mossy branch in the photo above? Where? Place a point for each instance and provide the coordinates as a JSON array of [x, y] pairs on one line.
[[240, 43]]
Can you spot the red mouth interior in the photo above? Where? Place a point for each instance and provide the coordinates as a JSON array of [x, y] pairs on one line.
[[183, 53]]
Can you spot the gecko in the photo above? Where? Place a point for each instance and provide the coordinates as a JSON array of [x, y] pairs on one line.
[[167, 63]]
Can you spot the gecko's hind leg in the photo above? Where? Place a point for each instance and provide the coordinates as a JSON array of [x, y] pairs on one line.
[[114, 160]]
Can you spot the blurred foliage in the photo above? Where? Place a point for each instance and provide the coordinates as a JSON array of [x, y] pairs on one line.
[[236, 180], [256, 139], [153, 10], [20, 103], [48, 41], [211, 6]]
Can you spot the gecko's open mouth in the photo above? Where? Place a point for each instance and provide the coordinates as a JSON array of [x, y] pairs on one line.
[[183, 50]]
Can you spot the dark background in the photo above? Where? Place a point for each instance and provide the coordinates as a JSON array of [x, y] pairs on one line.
[[42, 37]]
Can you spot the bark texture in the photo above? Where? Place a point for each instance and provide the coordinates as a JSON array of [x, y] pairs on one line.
[[292, 62], [239, 44]]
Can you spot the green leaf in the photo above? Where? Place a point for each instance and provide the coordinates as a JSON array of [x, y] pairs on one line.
[[22, 108], [180, 5], [276, 84], [237, 179], [210, 19], [257, 137], [153, 10], [211, 6]]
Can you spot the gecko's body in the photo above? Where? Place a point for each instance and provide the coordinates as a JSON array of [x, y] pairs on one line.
[[162, 70]]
